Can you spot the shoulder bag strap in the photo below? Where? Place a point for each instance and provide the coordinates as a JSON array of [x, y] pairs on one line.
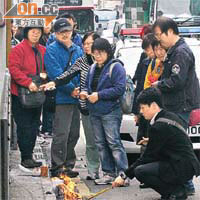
[[40, 58], [69, 60], [172, 123]]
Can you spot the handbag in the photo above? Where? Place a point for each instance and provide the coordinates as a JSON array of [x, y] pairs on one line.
[[30, 99], [194, 117]]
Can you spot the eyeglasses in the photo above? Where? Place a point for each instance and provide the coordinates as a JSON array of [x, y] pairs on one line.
[[88, 44], [99, 54], [64, 33]]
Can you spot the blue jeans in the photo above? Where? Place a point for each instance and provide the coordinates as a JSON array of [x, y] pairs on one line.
[[107, 138], [92, 157], [186, 117]]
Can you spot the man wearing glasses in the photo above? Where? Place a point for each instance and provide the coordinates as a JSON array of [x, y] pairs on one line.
[[60, 55]]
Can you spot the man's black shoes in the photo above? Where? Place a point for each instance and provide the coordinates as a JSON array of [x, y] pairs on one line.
[[179, 194], [68, 172], [30, 163]]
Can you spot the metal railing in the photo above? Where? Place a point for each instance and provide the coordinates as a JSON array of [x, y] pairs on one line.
[[4, 133]]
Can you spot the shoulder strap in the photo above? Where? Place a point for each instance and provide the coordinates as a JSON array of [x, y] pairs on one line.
[[40, 57], [172, 123], [111, 68], [69, 60]]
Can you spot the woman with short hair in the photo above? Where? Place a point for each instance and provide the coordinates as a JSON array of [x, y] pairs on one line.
[[24, 60]]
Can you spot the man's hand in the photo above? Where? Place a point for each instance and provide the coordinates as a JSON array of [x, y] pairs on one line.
[[83, 95], [155, 84], [93, 98], [75, 92], [33, 87], [144, 141], [119, 181], [48, 86]]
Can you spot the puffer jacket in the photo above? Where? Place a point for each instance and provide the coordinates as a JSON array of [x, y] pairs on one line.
[[109, 88]]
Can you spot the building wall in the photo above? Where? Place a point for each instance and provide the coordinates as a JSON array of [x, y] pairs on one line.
[[134, 13], [3, 41]]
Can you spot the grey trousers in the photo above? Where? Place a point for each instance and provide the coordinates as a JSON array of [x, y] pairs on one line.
[[65, 136], [92, 156]]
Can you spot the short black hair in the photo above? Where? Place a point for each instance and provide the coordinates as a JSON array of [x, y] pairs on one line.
[[101, 44], [155, 43], [150, 95], [27, 29], [147, 41], [88, 34], [165, 23]]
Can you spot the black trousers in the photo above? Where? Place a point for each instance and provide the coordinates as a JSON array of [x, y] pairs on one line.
[[28, 121], [149, 174]]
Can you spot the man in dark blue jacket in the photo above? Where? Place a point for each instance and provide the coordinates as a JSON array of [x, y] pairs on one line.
[[67, 116], [179, 84]]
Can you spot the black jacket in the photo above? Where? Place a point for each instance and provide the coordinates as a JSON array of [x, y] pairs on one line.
[[179, 84], [172, 148], [139, 79]]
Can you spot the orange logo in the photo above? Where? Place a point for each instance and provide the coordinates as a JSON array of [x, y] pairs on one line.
[[31, 11]]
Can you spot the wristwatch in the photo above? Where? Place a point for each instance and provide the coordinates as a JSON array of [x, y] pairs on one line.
[[123, 175]]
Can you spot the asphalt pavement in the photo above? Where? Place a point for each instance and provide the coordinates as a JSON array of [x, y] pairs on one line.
[[29, 185]]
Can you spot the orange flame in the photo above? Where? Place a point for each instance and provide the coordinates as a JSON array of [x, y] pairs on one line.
[[68, 188]]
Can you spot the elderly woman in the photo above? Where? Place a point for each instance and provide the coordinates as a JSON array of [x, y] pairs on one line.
[[82, 66], [103, 91], [23, 61]]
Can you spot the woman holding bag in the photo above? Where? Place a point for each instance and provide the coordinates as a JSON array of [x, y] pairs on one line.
[[26, 60]]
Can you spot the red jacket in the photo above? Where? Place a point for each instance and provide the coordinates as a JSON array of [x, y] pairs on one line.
[[22, 63]]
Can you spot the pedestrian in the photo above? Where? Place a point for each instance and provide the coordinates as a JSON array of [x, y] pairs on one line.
[[82, 66], [59, 57], [155, 68], [14, 29], [142, 67], [140, 78], [179, 84], [76, 38], [169, 159], [48, 109], [103, 91], [23, 61]]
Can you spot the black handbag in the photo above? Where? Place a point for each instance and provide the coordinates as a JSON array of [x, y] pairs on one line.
[[30, 99]]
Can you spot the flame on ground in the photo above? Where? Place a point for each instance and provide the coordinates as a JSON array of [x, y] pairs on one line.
[[68, 188]]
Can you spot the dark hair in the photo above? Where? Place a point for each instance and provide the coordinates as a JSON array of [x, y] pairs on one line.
[[165, 23], [147, 41], [147, 28], [27, 29], [101, 44], [88, 34], [150, 95], [155, 43]]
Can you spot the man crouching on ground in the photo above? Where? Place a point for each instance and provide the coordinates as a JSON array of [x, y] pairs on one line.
[[169, 160]]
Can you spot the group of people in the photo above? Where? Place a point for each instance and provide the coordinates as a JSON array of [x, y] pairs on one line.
[[79, 69]]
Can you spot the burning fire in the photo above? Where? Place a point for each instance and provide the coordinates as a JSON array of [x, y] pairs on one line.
[[68, 188]]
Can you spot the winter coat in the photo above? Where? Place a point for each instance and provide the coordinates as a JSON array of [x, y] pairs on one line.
[[56, 59], [22, 62], [172, 148], [109, 88], [179, 83]]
